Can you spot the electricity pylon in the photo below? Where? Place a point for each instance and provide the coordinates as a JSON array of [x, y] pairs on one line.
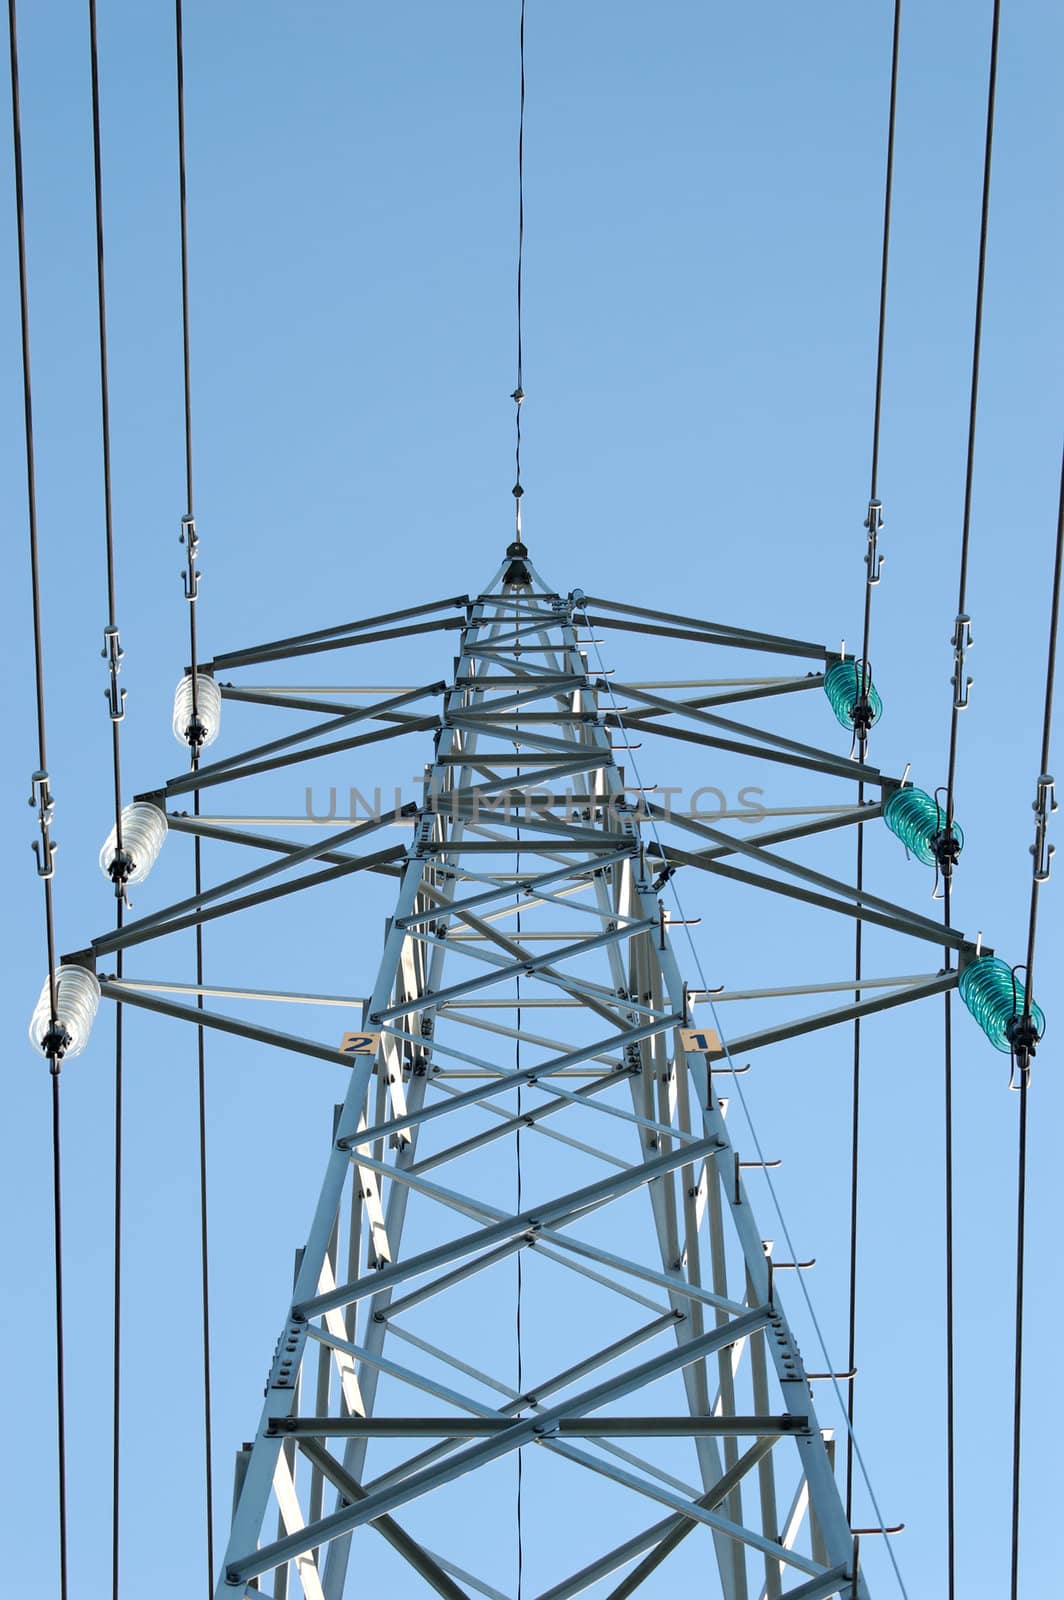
[[530, 890]]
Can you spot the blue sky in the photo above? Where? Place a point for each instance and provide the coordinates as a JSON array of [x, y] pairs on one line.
[[703, 193]]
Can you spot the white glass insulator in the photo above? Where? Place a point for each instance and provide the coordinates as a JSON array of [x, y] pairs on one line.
[[77, 996], [144, 829], [208, 708]]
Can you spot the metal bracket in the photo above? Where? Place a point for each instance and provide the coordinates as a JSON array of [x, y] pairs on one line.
[[962, 642], [45, 847], [190, 574], [112, 653], [874, 523], [1043, 806], [424, 833]]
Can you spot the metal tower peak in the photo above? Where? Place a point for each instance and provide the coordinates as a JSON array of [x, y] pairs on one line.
[[517, 574]]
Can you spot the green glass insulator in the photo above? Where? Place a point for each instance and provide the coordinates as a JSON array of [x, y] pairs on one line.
[[918, 821], [996, 997], [843, 685]]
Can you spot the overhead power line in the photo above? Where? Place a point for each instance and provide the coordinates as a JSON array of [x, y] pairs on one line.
[[961, 642], [519, 393], [112, 652], [1041, 852], [873, 524], [191, 540], [41, 797]]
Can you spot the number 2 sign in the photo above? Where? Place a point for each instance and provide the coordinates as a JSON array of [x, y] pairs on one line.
[[359, 1044]]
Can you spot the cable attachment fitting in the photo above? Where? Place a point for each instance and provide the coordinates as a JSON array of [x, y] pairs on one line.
[[874, 523], [120, 869], [1023, 1034], [946, 843], [862, 712], [45, 847], [1043, 806], [112, 653], [190, 574], [54, 1045], [518, 395], [962, 642]]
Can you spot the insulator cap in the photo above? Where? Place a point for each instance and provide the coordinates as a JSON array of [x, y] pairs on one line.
[[201, 730], [77, 997], [144, 828]]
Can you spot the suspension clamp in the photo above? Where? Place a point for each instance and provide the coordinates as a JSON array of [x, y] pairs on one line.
[[191, 574], [874, 523], [55, 1044], [112, 653], [862, 716], [1022, 1033], [119, 870], [947, 849], [1043, 806], [45, 847], [962, 642]]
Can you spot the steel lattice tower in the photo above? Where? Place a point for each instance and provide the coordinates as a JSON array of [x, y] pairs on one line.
[[532, 881]]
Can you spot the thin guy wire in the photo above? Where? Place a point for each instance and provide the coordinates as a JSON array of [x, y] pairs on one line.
[[116, 764], [201, 1073], [947, 1176], [777, 1207], [105, 409], [201, 1084], [1021, 1163], [855, 1136], [877, 414], [520, 1194], [31, 479], [60, 1362], [958, 693], [38, 668], [31, 471], [973, 408], [887, 200], [518, 394], [1047, 723], [1017, 1393], [183, 183], [117, 1305], [520, 1287]]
